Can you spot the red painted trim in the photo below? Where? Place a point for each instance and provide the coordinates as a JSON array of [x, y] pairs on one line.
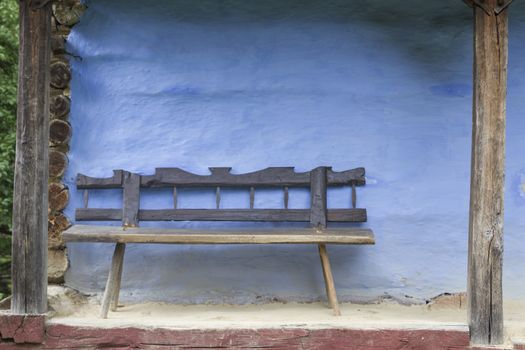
[[21, 329], [64, 336]]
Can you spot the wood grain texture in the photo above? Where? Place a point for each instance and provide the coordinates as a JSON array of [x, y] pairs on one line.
[[61, 336], [329, 280], [29, 252], [60, 106], [58, 196], [269, 215], [118, 280], [111, 284], [112, 234], [275, 176], [318, 197], [485, 304], [131, 201], [87, 182], [57, 224], [60, 75], [57, 162], [59, 132]]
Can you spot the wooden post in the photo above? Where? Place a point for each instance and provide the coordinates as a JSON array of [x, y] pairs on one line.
[[485, 303], [29, 260]]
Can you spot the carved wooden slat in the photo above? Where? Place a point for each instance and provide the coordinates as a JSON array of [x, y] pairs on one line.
[[340, 178], [270, 215], [87, 182], [280, 176]]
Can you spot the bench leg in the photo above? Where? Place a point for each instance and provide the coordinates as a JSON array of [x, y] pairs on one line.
[[116, 292], [111, 285], [329, 280]]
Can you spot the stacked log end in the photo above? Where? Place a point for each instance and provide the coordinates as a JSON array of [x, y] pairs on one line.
[[66, 13]]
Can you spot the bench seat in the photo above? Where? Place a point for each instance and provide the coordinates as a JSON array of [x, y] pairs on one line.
[[118, 234]]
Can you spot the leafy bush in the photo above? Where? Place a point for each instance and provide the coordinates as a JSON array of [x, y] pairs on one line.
[[8, 84]]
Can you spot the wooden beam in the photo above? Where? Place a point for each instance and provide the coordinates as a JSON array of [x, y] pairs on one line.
[[485, 304], [117, 234], [29, 261]]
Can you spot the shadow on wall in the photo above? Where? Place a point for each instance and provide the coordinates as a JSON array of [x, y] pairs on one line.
[[447, 19]]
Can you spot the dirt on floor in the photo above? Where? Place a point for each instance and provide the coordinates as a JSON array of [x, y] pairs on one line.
[[443, 312]]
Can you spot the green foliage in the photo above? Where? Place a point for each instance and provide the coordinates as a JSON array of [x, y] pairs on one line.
[[8, 84]]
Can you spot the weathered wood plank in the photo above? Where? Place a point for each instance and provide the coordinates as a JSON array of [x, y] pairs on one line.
[[276, 176], [131, 199], [87, 182], [270, 215], [485, 304], [63, 336], [318, 198], [111, 234], [329, 280], [111, 284], [29, 252], [118, 280]]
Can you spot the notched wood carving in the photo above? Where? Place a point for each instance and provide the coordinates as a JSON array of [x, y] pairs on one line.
[[87, 182]]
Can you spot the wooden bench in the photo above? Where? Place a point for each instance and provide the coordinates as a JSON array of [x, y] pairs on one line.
[[318, 215]]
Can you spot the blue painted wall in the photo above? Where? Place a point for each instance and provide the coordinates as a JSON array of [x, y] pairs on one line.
[[250, 84]]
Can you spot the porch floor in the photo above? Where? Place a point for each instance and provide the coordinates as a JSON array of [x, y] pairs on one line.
[[446, 313]]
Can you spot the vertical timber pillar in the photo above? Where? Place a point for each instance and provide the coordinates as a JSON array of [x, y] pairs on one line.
[[485, 302], [29, 260]]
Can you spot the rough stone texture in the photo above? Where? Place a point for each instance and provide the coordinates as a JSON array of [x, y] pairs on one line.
[[21, 329], [65, 301], [57, 265]]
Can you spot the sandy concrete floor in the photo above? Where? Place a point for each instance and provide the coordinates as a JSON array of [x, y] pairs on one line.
[[447, 312]]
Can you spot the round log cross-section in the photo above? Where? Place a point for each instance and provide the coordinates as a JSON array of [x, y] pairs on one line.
[[57, 164], [59, 131], [58, 196], [60, 75], [59, 106]]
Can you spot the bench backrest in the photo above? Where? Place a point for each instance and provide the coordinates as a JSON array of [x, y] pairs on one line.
[[317, 180]]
